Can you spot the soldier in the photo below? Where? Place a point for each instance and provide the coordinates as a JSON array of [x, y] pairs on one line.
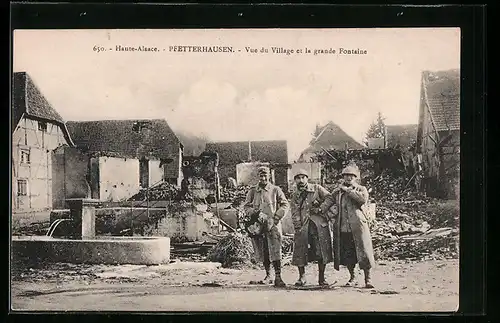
[[309, 205], [352, 238], [270, 202]]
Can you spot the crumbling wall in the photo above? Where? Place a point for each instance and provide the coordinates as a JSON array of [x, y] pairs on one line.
[[58, 178], [226, 171], [69, 175], [281, 177], [118, 178], [173, 170], [156, 173], [186, 223], [119, 220], [76, 174]]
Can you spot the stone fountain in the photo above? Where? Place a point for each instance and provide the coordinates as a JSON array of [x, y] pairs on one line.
[[86, 247]]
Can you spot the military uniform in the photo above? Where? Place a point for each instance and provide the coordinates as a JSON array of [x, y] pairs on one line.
[[351, 233], [309, 205], [270, 201]]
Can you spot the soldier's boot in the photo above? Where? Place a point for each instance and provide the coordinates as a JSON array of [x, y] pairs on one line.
[[269, 278], [352, 278], [321, 274], [368, 279], [278, 282], [302, 277]]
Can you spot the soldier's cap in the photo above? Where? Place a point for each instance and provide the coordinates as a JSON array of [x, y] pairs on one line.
[[263, 170], [301, 172], [351, 170]]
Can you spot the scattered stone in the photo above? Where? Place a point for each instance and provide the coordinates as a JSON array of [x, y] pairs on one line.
[[212, 284], [226, 271], [385, 292]]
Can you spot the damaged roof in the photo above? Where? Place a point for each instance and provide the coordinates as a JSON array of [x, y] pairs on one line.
[[232, 153], [401, 135], [126, 138], [193, 145], [332, 137], [27, 99], [441, 91]]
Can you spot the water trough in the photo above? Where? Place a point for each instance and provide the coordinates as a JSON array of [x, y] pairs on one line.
[[88, 248]]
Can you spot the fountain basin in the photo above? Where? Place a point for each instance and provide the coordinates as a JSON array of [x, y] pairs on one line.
[[99, 250]]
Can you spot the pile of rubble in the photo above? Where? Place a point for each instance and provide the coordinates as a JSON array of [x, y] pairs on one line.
[[161, 192], [415, 233], [230, 195], [390, 187], [235, 250], [438, 244], [410, 225], [232, 250]]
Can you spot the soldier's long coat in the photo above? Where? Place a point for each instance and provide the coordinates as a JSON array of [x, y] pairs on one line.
[[301, 215], [271, 201], [355, 198]]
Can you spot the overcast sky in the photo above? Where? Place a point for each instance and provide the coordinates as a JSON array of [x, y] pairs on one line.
[[238, 96]]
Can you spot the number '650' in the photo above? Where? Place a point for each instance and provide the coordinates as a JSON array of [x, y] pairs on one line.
[[98, 49]]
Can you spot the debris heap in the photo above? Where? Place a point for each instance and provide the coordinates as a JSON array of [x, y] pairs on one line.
[[416, 230], [391, 187], [232, 250], [229, 195], [161, 192]]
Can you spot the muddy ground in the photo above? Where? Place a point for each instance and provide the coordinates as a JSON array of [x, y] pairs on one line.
[[183, 286]]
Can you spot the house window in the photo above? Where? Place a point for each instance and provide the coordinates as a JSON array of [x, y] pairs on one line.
[[22, 187], [42, 126], [25, 156]]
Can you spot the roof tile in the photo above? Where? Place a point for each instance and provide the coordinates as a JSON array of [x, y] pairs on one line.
[[127, 138], [230, 153], [443, 97], [332, 137], [27, 98]]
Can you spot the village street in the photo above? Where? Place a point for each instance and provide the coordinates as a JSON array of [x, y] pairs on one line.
[[181, 286], [181, 172]]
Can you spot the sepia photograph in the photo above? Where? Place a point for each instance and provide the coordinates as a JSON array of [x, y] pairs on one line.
[[247, 170]]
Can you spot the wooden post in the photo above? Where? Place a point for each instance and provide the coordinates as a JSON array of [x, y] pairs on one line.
[[217, 190], [249, 151]]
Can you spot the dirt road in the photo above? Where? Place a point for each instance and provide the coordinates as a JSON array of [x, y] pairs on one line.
[[422, 286]]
